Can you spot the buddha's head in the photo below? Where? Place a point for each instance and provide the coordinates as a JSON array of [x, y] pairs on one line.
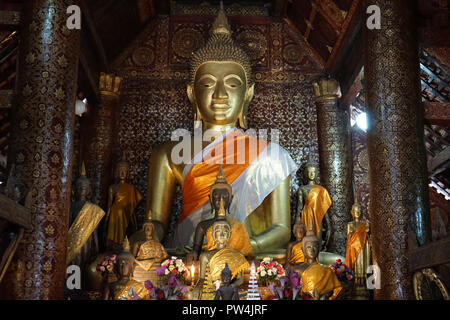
[[311, 246], [220, 194], [311, 170], [356, 211], [226, 275], [148, 228], [122, 169], [299, 231], [125, 261], [220, 88], [82, 185], [221, 233]]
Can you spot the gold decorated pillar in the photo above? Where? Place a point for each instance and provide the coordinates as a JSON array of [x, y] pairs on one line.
[[398, 177], [100, 130], [40, 146], [335, 160]]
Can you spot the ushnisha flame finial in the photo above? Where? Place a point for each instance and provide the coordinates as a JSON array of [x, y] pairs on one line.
[[221, 182]]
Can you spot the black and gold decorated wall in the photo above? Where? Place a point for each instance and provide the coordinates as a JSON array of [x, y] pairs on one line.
[[153, 100]]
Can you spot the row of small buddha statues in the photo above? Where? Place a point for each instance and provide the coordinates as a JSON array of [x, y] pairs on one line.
[[222, 241], [255, 203]]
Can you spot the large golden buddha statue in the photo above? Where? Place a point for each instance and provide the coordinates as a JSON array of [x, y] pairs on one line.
[[220, 91]]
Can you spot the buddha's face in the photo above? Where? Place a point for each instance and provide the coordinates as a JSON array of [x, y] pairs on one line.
[[226, 278], [148, 230], [221, 234], [220, 194], [82, 190], [124, 266], [311, 173], [122, 172], [356, 211], [299, 232], [311, 249], [220, 92]]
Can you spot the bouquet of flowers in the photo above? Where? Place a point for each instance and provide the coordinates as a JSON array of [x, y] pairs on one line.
[[269, 271], [342, 271], [107, 265], [172, 266], [173, 290], [289, 288]]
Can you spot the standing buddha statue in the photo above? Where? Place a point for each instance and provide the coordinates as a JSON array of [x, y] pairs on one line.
[[220, 91], [220, 196], [357, 254], [82, 239], [315, 277], [313, 201], [122, 200]]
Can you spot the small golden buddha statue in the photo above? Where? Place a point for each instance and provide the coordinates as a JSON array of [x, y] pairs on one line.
[[148, 251], [294, 251], [82, 239], [122, 200], [313, 201], [220, 197], [124, 266], [315, 277], [220, 91], [357, 254], [213, 262]]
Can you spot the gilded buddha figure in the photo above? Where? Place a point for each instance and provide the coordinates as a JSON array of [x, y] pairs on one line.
[[316, 278], [148, 251], [82, 239], [123, 267], [357, 254], [220, 197], [313, 200], [212, 263], [122, 201], [294, 250], [220, 91]]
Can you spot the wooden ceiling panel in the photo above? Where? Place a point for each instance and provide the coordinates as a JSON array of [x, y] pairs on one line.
[[328, 32], [319, 42], [343, 4]]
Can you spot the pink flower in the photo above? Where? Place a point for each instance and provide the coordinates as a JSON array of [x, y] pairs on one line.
[[349, 277], [113, 256]]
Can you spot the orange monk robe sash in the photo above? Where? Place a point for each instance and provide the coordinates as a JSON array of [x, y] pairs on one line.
[[297, 254], [321, 278], [355, 244], [317, 203], [121, 211], [201, 177], [239, 239]]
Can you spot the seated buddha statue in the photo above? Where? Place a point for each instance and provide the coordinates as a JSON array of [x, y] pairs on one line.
[[148, 251], [123, 267], [82, 239], [294, 251], [220, 197], [315, 277], [212, 263], [313, 201], [357, 253], [226, 291], [220, 91], [122, 201]]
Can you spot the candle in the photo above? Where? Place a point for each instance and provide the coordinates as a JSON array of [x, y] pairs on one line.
[[192, 274]]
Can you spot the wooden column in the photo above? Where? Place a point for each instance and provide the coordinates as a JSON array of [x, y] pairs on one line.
[[43, 116], [399, 202], [335, 159]]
